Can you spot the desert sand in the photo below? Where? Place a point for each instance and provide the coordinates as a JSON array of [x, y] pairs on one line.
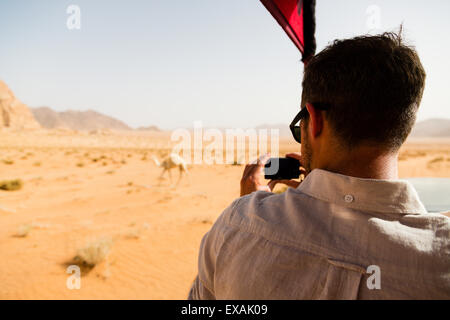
[[103, 188]]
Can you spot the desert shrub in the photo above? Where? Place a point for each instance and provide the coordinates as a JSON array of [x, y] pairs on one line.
[[23, 230], [94, 252], [435, 160], [133, 234], [11, 185]]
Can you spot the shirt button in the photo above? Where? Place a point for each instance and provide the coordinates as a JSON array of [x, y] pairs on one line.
[[349, 198]]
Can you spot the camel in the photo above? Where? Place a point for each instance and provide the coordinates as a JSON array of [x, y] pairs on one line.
[[170, 162]]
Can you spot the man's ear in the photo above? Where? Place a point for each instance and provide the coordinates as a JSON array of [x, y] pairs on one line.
[[315, 120]]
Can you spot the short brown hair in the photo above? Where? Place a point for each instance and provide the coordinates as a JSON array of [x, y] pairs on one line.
[[374, 86]]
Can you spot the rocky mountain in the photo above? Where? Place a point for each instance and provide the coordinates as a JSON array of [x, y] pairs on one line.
[[13, 113], [76, 120]]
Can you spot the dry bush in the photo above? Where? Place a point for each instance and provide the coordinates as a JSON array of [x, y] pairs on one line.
[[136, 232], [80, 164], [23, 230], [8, 161], [11, 185], [414, 154], [436, 160], [133, 234], [94, 253]]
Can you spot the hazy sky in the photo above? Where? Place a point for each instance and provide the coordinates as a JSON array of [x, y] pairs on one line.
[[169, 63]]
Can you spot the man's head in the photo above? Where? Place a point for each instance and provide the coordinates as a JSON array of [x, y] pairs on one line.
[[373, 86]]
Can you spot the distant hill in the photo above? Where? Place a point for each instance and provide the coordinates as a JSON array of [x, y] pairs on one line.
[[149, 128], [13, 113], [432, 128], [76, 120]]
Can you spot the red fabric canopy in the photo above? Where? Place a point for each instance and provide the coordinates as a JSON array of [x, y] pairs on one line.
[[297, 18]]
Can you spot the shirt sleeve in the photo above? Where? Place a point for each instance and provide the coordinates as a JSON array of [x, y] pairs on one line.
[[203, 286]]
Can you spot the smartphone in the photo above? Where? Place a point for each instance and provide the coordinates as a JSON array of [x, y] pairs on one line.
[[282, 169]]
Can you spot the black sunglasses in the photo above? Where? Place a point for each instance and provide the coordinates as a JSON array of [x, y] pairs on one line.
[[303, 114]]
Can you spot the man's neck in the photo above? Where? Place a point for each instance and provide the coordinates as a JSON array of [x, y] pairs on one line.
[[366, 163]]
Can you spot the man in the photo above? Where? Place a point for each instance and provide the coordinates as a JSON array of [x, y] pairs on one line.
[[351, 229]]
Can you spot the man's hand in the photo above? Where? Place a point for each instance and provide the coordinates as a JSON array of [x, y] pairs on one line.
[[253, 173], [251, 178], [292, 183]]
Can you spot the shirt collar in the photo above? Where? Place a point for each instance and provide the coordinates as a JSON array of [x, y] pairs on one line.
[[387, 196]]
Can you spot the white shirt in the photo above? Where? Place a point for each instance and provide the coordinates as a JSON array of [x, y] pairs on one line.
[[334, 237]]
